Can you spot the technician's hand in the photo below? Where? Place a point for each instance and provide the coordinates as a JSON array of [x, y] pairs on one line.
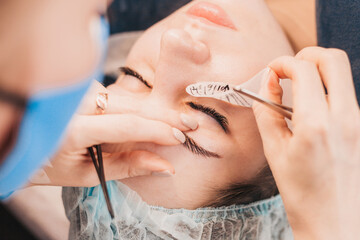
[[316, 165], [124, 122]]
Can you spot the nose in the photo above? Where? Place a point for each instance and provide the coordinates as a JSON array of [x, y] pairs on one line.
[[182, 58]]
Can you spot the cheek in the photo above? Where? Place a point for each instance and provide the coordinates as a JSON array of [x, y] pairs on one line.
[[248, 149], [237, 66], [196, 177], [195, 172], [188, 166]]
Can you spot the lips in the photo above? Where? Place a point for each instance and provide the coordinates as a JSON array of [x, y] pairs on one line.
[[213, 13]]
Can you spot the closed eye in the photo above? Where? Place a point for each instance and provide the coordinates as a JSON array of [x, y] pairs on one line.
[[219, 118], [132, 72], [191, 145]]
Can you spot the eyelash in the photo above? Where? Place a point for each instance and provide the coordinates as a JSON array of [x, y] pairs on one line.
[[189, 143], [194, 148], [131, 72], [210, 111]]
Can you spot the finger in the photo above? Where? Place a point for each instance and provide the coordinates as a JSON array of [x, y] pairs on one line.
[[137, 163], [335, 71], [117, 166], [116, 103], [272, 125], [114, 128], [120, 104], [308, 91], [88, 103], [130, 105]]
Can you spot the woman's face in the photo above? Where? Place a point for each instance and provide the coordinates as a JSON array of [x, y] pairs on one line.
[[203, 42]]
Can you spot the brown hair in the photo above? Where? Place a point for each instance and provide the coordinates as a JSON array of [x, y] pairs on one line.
[[260, 187]]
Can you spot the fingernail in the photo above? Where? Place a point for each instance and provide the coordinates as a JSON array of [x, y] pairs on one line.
[[188, 121], [165, 173], [179, 135]]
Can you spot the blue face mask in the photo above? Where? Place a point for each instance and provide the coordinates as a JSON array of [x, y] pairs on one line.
[[46, 116]]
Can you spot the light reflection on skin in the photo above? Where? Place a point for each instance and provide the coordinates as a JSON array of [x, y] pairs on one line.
[[181, 50]]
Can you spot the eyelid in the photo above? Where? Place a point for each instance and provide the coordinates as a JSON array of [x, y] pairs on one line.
[[132, 72], [220, 119], [191, 145]]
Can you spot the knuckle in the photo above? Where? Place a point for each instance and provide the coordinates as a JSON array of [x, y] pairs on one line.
[[258, 109], [75, 127], [311, 129], [133, 156], [305, 66], [285, 58], [337, 52], [305, 140], [334, 54], [282, 59], [318, 129], [308, 65], [306, 51]]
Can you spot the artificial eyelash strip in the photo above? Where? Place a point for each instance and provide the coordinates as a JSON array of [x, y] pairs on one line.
[[194, 148]]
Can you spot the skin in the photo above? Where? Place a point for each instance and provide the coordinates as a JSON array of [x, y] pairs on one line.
[[185, 50]]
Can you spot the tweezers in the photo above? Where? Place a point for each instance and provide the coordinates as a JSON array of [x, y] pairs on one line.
[[283, 110], [99, 166]]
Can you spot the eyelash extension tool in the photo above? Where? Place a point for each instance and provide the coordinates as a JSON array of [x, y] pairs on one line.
[[241, 95], [99, 166], [282, 109]]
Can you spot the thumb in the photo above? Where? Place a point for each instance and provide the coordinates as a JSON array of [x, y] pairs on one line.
[[136, 163], [272, 125]]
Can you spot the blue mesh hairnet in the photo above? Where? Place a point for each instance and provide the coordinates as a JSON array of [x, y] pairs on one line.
[[134, 219]]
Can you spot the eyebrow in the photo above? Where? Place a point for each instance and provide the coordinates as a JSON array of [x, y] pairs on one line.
[[132, 72], [218, 117]]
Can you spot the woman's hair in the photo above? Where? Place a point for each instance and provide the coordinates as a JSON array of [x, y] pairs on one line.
[[260, 187]]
